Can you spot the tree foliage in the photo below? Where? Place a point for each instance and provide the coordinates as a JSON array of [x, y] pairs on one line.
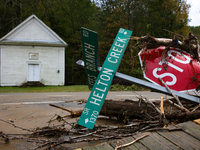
[[143, 17], [195, 31], [66, 17]]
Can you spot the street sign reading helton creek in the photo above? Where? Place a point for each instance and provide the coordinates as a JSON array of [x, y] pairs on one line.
[[104, 79]]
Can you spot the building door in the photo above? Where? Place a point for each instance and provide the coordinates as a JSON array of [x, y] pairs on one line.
[[33, 72]]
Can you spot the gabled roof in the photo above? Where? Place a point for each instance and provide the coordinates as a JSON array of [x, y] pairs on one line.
[[32, 31]]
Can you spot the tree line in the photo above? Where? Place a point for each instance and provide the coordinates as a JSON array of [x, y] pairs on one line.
[[66, 17]]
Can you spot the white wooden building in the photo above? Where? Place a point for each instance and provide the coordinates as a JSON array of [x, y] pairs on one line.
[[32, 52]]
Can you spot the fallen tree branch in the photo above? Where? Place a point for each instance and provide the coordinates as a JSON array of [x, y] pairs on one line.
[[122, 110], [175, 33], [15, 125], [163, 129], [73, 113], [184, 115], [152, 104], [162, 116], [150, 42], [141, 100], [130, 142], [177, 106], [196, 108], [176, 97]]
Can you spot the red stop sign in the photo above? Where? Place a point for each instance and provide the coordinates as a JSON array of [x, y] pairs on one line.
[[179, 70]]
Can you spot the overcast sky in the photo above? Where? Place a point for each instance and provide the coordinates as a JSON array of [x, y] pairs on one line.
[[194, 12]]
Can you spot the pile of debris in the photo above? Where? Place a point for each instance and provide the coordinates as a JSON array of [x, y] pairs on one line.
[[189, 44], [135, 117]]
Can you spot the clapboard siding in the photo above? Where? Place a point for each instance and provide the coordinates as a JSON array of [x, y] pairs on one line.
[[32, 43]]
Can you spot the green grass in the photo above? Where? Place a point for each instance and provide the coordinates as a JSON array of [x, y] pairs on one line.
[[71, 88], [117, 87]]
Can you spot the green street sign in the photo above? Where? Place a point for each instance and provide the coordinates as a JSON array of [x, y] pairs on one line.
[[104, 79], [90, 55]]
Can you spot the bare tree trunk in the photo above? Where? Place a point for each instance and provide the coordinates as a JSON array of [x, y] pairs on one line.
[[12, 13], [184, 115], [20, 6], [47, 6]]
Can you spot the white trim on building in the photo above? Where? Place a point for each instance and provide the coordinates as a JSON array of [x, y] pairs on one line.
[[32, 43]]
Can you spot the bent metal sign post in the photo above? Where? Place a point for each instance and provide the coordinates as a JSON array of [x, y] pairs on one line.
[[104, 79]]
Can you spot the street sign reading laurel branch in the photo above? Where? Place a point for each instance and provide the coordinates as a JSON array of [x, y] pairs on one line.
[[104, 79], [90, 55]]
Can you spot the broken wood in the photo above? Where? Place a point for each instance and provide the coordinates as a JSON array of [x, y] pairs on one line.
[[78, 134], [73, 113], [177, 106], [184, 115], [15, 125], [128, 109], [161, 105], [176, 97], [197, 121], [130, 142], [152, 104], [186, 45], [119, 109], [196, 108], [163, 118], [164, 129]]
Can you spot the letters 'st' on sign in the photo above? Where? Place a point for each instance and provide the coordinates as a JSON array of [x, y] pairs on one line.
[[177, 69], [104, 79]]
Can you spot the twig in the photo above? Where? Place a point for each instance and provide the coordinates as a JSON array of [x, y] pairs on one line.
[[177, 99], [56, 143], [152, 104], [61, 108], [140, 99], [53, 131], [15, 125], [174, 33], [59, 119], [73, 113], [115, 128], [197, 50], [147, 127], [134, 38], [162, 116], [196, 108], [163, 129], [130, 142], [177, 106], [7, 138], [102, 130]]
